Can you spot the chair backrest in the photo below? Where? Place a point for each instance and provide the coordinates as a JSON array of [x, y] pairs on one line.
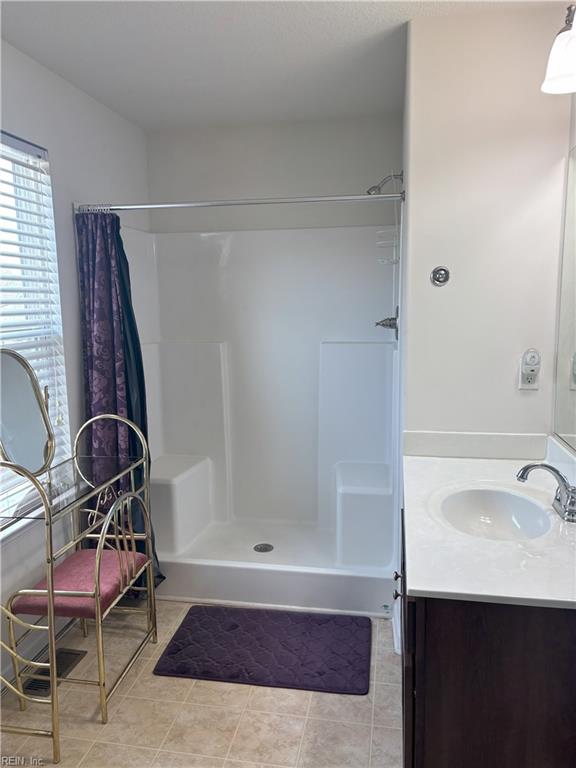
[[117, 534]]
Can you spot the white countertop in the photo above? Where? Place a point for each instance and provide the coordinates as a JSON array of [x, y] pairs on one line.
[[442, 562]]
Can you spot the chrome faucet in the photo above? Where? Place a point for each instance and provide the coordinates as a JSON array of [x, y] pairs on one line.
[[565, 499]]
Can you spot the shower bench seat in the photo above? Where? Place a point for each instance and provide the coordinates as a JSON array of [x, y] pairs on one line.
[[182, 499]]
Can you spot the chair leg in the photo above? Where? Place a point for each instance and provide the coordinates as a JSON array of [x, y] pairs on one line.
[[55, 718], [151, 603], [55, 748], [15, 663], [101, 670], [84, 625], [54, 703]]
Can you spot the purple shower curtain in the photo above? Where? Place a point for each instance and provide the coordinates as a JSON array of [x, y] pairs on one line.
[[103, 331], [113, 369]]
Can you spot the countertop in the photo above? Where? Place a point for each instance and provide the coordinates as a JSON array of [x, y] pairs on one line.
[[443, 562]]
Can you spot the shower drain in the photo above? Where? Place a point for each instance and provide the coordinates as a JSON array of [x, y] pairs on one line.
[[263, 548]]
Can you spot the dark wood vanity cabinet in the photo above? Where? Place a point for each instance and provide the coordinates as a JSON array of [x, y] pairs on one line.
[[488, 685]]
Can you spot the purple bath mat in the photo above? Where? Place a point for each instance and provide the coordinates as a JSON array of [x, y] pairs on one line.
[[282, 649]]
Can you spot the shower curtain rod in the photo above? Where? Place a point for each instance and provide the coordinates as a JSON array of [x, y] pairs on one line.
[[109, 207]]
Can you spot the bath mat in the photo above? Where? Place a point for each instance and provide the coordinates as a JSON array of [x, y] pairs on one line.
[[281, 649]]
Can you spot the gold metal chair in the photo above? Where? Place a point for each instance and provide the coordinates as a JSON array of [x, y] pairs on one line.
[[85, 582]]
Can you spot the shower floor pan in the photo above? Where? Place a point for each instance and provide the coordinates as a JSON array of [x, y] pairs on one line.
[[300, 571]]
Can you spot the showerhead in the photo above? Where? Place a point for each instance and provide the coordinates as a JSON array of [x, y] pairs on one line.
[[377, 188]]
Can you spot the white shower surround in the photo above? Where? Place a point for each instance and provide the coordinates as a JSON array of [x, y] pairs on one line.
[[234, 324]]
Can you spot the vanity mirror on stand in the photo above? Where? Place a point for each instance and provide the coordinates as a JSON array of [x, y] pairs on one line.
[[26, 436], [93, 557]]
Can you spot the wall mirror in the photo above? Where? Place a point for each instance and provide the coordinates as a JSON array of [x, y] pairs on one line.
[[26, 436], [565, 407]]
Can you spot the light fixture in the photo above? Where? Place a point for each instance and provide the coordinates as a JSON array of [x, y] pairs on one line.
[[561, 70]]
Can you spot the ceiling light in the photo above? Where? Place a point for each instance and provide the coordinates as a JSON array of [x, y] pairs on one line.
[[561, 71]]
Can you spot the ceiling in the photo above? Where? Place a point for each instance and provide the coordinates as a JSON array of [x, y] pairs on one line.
[[172, 64]]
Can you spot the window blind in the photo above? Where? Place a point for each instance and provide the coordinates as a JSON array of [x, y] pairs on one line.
[[30, 310]]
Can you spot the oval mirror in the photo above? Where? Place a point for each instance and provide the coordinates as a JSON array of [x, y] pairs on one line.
[[26, 436]]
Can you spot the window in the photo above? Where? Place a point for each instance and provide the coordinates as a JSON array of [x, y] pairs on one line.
[[30, 311]]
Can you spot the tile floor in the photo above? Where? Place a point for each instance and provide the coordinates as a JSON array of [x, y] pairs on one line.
[[172, 722]]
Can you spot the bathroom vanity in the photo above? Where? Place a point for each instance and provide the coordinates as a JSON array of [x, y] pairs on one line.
[[489, 613]]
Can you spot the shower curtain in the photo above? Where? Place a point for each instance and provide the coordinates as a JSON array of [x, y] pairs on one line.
[[113, 369]]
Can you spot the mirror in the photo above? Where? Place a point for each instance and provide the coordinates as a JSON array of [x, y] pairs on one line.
[[26, 436], [565, 408]]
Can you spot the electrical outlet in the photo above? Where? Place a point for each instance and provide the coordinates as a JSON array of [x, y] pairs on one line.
[[529, 370]]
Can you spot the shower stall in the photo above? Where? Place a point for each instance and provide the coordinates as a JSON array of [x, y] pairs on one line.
[[273, 410]]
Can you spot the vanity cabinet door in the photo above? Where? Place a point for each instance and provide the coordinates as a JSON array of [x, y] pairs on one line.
[[495, 686], [408, 679]]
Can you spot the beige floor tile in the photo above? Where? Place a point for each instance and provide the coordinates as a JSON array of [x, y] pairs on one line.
[[388, 705], [150, 686], [114, 666], [37, 750], [283, 701], [80, 716], [335, 706], [112, 755], [216, 694], [388, 666], [385, 633], [267, 738], [181, 760], [140, 722], [34, 716], [170, 612], [202, 730], [154, 650], [237, 764], [121, 620], [75, 639], [242, 764], [335, 745], [166, 632], [10, 743], [119, 639], [386, 748], [132, 675]]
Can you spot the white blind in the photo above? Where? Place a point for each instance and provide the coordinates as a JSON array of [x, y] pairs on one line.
[[30, 311]]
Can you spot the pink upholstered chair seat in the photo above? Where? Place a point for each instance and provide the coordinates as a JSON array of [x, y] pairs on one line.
[[77, 573]]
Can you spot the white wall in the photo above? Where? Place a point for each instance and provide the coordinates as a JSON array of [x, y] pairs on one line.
[[95, 156], [485, 159], [274, 160], [243, 316]]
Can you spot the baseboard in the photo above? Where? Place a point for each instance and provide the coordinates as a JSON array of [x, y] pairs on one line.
[[475, 445]]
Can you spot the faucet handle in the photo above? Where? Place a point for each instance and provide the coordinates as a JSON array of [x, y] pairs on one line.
[[565, 502], [565, 497]]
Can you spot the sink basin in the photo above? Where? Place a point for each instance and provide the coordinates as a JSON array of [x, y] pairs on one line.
[[495, 514]]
